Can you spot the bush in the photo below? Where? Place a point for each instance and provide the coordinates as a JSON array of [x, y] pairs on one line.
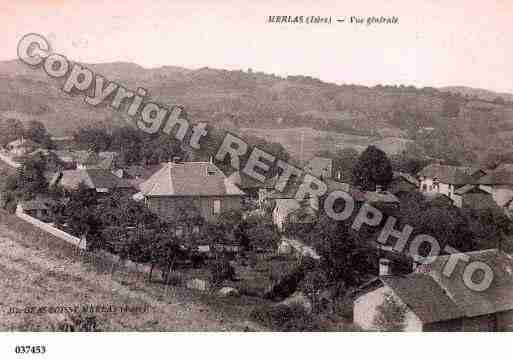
[[222, 270], [285, 318]]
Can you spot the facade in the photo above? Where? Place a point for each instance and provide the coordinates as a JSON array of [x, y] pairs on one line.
[[320, 167], [434, 301], [191, 188], [444, 179], [474, 196]]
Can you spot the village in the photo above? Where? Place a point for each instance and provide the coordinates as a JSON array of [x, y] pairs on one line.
[[190, 221]]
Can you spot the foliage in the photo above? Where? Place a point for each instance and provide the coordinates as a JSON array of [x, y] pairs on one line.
[[373, 168], [222, 270]]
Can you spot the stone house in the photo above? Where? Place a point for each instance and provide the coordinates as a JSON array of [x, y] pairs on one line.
[[434, 301], [200, 187]]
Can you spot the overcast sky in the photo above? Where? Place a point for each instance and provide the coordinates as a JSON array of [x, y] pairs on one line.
[[436, 43]]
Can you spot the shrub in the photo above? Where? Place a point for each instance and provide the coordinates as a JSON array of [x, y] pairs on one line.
[[285, 318], [222, 270]]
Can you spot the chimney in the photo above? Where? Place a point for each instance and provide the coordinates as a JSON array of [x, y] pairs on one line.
[[384, 267]]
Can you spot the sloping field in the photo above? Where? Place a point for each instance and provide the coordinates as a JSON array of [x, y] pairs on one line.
[[310, 140], [41, 272]]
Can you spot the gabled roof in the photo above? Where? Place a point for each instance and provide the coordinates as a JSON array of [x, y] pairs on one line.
[[424, 297], [503, 174], [244, 181], [449, 174], [189, 179], [436, 196], [471, 188], [318, 166], [86, 157], [407, 177], [92, 178], [498, 297]]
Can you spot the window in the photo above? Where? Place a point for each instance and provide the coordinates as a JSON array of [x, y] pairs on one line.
[[179, 231], [217, 206]]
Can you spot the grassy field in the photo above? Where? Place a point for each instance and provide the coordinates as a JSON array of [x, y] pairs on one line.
[[43, 273]]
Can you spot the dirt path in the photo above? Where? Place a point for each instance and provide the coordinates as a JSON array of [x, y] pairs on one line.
[[32, 275]]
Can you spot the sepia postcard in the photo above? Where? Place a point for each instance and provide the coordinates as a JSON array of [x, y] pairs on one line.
[[285, 166]]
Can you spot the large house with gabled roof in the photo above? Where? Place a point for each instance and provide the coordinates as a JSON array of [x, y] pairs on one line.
[[190, 187]]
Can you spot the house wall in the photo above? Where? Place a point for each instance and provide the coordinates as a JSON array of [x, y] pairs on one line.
[[482, 323], [170, 208], [505, 321], [444, 188], [455, 325], [365, 310], [477, 201]]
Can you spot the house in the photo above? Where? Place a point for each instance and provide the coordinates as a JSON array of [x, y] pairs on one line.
[[98, 180], [21, 147], [499, 183], [254, 190], [96, 160], [438, 199], [289, 212], [403, 182], [52, 162], [38, 208], [422, 301], [446, 179], [476, 197], [320, 167], [199, 185], [431, 300]]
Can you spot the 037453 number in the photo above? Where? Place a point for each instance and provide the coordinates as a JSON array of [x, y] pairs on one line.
[[30, 349]]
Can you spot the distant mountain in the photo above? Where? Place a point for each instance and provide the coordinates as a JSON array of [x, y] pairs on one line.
[[389, 116], [479, 93]]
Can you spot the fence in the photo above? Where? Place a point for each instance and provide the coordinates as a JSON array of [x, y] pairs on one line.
[[78, 242]]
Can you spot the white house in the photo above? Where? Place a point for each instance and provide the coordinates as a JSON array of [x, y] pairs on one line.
[[444, 179]]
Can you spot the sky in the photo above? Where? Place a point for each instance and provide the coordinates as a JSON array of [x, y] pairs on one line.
[[435, 43]]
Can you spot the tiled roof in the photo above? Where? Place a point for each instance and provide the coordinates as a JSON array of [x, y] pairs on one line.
[[424, 297], [501, 175], [189, 179], [498, 297], [407, 177], [92, 178], [448, 174]]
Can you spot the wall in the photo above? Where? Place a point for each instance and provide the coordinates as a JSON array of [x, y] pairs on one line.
[[81, 243], [478, 201], [170, 208], [365, 310]]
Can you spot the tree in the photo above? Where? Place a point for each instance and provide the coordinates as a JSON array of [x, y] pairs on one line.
[[37, 132], [373, 168]]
